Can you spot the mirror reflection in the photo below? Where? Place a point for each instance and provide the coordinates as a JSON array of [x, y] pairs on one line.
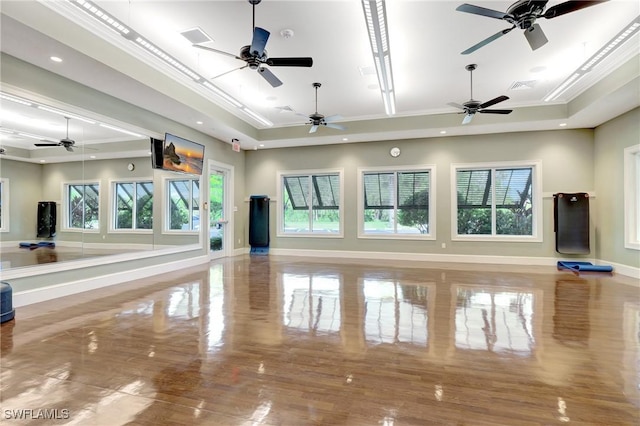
[[77, 187]]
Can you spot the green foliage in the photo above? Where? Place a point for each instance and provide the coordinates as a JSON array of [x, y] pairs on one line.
[[215, 243], [417, 217], [474, 221], [179, 215]]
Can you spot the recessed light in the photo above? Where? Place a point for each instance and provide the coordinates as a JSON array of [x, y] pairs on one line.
[[563, 124], [43, 161], [443, 132], [345, 139], [198, 122], [56, 59], [92, 156], [261, 145]]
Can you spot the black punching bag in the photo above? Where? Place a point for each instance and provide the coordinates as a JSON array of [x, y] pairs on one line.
[[46, 219], [259, 221], [571, 215]]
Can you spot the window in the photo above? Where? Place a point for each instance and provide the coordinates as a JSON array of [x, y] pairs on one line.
[[311, 203], [82, 206], [497, 202], [183, 210], [4, 205], [396, 203], [133, 205], [632, 197]]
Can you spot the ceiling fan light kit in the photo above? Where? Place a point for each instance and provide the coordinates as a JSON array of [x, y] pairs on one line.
[[316, 119], [65, 142], [523, 14], [255, 55], [472, 106]]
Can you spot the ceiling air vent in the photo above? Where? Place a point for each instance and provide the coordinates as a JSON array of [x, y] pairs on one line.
[[523, 85]]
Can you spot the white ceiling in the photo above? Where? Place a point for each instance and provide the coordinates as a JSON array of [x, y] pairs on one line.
[[426, 38]]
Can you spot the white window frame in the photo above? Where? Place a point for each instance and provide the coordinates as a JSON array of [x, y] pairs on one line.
[[632, 197], [536, 197], [431, 235], [166, 208], [65, 207], [280, 175], [4, 219], [113, 206]]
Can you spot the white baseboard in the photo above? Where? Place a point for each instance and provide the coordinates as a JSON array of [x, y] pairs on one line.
[[42, 294], [625, 270]]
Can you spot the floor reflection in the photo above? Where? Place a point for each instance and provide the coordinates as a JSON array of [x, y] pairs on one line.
[[495, 320], [288, 341]]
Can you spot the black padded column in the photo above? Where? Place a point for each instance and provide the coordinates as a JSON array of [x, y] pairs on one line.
[[46, 219], [259, 221], [571, 217]]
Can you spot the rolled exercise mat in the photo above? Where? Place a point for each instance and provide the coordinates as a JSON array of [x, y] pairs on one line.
[[584, 266]]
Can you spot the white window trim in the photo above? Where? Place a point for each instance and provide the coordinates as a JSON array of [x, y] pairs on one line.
[[432, 202], [112, 206], [65, 206], [280, 197], [536, 196], [4, 222], [631, 197], [165, 205]]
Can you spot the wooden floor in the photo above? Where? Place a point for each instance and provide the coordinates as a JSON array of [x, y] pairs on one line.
[[273, 340]]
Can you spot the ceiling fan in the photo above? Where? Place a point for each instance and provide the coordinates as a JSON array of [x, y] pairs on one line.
[[523, 14], [316, 120], [256, 56], [66, 142], [472, 106]]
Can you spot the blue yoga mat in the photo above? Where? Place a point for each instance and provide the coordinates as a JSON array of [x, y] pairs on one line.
[[38, 244], [584, 266]]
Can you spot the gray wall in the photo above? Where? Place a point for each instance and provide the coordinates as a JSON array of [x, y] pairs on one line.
[[25, 190], [567, 166], [611, 139]]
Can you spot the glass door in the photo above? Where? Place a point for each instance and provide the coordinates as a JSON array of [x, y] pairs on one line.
[[220, 237]]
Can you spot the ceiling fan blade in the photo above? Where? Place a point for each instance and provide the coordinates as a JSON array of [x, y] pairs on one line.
[[496, 111], [569, 6], [46, 144], [335, 126], [211, 49], [477, 10], [487, 41], [455, 105], [331, 118], [227, 72], [259, 42], [493, 101], [313, 129], [467, 119], [535, 36], [290, 62], [269, 76]]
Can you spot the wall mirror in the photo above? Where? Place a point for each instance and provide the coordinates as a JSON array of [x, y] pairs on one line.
[[96, 175]]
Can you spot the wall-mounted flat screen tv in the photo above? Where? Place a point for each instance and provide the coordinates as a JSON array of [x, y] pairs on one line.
[[157, 157], [182, 155]]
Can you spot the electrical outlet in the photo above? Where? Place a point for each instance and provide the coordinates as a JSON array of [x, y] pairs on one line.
[[444, 245]]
